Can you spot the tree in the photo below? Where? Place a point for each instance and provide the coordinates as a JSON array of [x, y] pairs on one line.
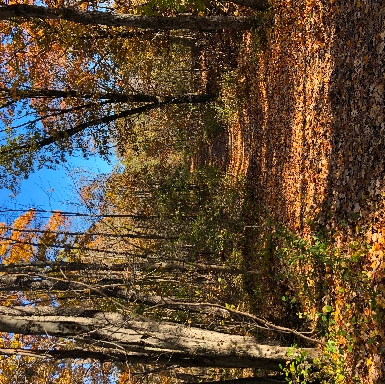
[[20, 154], [123, 324], [14, 251], [196, 5], [26, 11], [150, 309], [60, 94], [142, 340], [71, 92]]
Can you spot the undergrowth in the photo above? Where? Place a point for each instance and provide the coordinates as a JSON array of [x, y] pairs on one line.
[[340, 293]]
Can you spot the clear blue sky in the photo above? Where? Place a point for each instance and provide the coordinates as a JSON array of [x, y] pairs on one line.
[[55, 189]]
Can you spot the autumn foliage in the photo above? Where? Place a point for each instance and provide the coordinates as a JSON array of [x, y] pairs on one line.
[[310, 140], [282, 174]]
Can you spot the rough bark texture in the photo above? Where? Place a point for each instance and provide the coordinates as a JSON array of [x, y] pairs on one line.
[[124, 20], [259, 5], [177, 343], [163, 266]]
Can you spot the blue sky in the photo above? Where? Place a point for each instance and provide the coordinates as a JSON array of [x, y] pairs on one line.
[[52, 189], [55, 189]]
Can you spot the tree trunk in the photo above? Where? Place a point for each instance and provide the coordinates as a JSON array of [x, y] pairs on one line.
[[112, 289], [259, 5], [47, 267], [80, 214], [175, 344], [59, 93], [117, 97], [251, 380], [61, 136], [196, 23], [104, 286]]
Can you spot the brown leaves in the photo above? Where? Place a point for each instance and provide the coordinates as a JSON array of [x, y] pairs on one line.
[[315, 115]]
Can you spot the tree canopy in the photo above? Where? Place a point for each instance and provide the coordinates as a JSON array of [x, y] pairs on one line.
[[60, 93]]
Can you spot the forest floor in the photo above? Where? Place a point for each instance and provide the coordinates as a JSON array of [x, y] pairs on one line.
[[308, 133]]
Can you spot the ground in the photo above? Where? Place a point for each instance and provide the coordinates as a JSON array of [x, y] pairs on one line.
[[309, 136]]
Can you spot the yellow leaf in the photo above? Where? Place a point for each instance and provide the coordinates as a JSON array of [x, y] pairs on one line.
[[376, 247]]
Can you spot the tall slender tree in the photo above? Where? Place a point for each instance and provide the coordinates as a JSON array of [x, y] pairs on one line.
[[110, 19], [142, 340]]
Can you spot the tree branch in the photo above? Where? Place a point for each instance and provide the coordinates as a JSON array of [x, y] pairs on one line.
[[65, 135], [125, 20]]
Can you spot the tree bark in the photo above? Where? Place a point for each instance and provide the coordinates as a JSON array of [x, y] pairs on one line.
[[163, 266], [178, 344], [125, 20], [258, 5]]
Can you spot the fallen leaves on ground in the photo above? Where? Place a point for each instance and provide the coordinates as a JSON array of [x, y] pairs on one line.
[[311, 138]]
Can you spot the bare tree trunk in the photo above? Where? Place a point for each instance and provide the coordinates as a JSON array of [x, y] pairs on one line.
[[174, 343], [47, 267], [125, 20], [65, 135], [259, 5], [38, 283], [117, 97]]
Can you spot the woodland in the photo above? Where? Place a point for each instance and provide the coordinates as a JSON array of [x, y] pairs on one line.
[[240, 236]]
